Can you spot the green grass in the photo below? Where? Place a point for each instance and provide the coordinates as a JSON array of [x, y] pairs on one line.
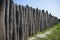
[[55, 34]]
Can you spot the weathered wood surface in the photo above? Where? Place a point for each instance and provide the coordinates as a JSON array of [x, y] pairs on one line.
[[19, 22], [2, 20], [14, 24]]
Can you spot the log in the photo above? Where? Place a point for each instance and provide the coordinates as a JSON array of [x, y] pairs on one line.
[[11, 20], [14, 24], [2, 20]]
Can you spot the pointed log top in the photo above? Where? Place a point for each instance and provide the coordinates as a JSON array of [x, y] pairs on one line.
[[43, 10], [46, 11], [27, 6]]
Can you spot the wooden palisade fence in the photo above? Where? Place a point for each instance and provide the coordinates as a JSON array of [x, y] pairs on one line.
[[17, 22]]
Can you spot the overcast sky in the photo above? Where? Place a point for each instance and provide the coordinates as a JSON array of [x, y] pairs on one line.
[[53, 6]]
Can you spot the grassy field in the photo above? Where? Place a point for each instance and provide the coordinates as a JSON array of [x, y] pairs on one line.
[[55, 35]]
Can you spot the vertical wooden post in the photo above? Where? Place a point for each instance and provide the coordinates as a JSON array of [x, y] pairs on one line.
[[21, 30], [24, 22], [46, 19], [37, 19], [40, 20], [22, 13], [11, 20], [27, 24], [2, 19], [7, 14], [18, 21], [31, 20], [34, 21], [14, 23]]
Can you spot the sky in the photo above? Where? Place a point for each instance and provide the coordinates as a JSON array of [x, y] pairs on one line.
[[51, 5]]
